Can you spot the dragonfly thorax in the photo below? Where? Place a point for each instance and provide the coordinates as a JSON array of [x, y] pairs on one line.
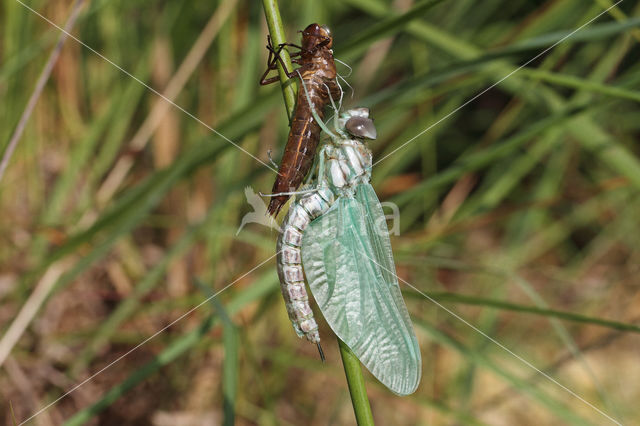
[[348, 163]]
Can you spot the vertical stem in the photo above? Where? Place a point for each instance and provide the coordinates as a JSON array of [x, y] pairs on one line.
[[276, 29], [357, 389]]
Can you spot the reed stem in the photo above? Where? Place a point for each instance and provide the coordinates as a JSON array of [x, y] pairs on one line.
[[357, 389], [276, 30]]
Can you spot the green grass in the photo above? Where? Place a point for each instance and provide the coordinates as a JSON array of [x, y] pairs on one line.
[[518, 212]]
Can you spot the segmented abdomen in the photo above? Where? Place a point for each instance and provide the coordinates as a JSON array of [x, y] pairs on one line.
[[304, 135], [289, 260]]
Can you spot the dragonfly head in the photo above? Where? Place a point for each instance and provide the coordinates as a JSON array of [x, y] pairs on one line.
[[357, 123], [316, 36]]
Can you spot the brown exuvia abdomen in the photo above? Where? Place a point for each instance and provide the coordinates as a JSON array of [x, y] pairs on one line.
[[303, 139]]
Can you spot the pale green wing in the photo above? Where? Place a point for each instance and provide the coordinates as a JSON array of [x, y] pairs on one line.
[[347, 258]]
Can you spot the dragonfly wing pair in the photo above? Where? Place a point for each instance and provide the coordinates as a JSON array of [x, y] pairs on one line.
[[347, 258]]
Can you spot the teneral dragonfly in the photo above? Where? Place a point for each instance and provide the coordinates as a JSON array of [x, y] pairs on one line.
[[335, 234]]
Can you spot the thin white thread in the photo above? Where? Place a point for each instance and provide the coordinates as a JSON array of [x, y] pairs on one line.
[[145, 341], [346, 65], [498, 82], [496, 342], [154, 91]]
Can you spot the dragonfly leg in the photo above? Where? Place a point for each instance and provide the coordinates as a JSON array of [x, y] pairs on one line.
[[271, 65], [290, 74], [282, 45], [264, 81], [295, 57], [292, 45], [273, 163], [272, 62], [320, 45]]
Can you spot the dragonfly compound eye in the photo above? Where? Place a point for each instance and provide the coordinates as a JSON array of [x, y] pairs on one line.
[[361, 127]]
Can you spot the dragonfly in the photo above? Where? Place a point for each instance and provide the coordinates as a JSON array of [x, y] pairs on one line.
[[318, 73], [335, 235]]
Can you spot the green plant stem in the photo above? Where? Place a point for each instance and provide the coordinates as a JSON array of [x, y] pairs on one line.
[[276, 29], [357, 389]]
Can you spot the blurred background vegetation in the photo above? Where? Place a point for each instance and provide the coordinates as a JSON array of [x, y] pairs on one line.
[[519, 212]]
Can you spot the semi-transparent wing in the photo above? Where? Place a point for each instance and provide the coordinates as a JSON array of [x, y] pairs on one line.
[[347, 258]]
